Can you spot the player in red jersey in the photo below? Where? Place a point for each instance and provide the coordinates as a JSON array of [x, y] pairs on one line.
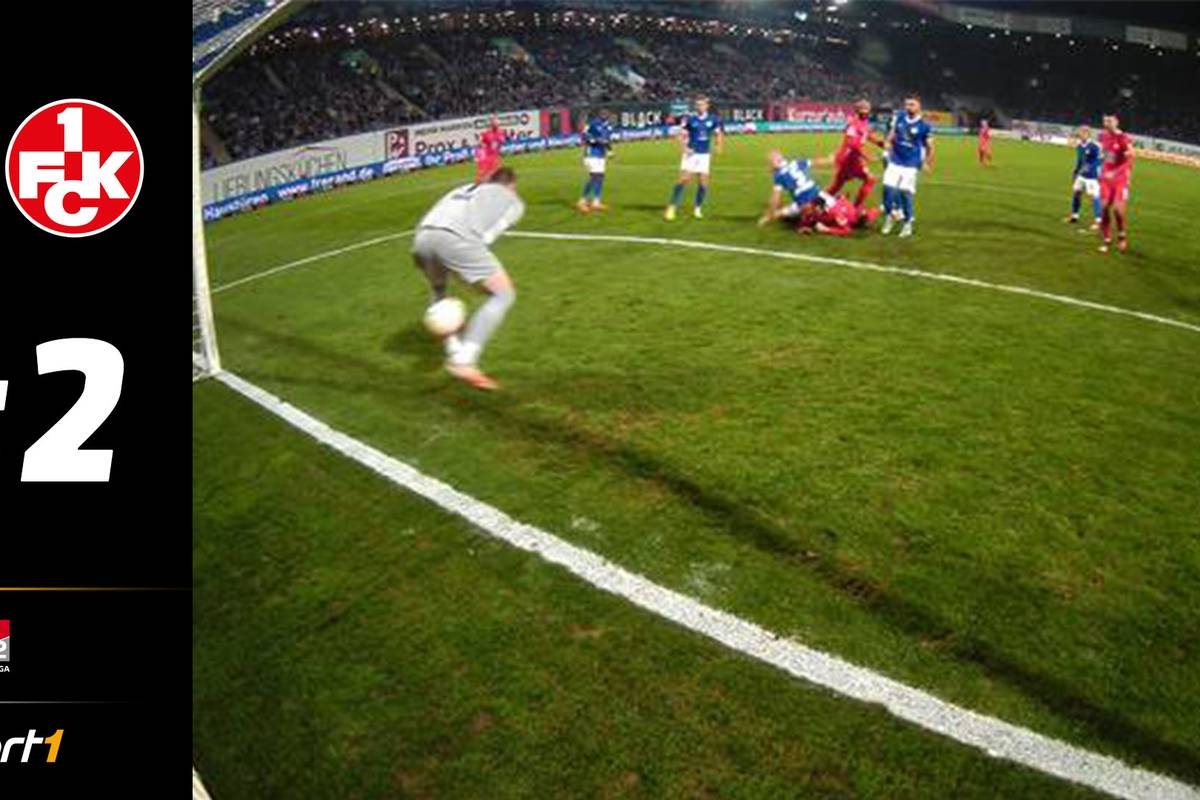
[[839, 218], [1117, 149], [487, 154], [985, 143], [851, 159]]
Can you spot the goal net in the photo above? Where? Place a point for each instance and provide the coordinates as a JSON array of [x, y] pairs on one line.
[[220, 30]]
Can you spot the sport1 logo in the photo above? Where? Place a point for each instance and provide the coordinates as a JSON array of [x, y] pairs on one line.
[[74, 167]]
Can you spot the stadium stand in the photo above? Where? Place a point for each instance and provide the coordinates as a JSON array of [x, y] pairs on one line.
[[333, 71]]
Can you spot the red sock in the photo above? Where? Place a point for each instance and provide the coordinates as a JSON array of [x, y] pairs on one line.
[[1104, 224], [1120, 223], [864, 191]]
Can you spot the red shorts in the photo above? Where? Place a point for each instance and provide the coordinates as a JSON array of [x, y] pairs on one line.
[[1114, 189], [485, 167], [854, 169], [850, 170]]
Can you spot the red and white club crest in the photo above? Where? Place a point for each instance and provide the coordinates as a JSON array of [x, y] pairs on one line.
[[74, 167]]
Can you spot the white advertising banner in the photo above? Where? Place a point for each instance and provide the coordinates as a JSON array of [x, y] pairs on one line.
[[1059, 25], [285, 166], [983, 17], [1156, 37], [432, 138]]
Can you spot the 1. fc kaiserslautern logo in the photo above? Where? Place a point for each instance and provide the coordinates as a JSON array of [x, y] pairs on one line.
[[4, 641], [74, 167]]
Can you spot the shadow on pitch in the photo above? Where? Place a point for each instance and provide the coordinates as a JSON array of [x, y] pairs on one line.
[[806, 549]]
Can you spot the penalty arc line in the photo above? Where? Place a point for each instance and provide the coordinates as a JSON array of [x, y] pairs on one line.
[[867, 266], [993, 736]]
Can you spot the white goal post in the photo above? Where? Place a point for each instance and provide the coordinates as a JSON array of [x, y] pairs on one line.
[[206, 360], [230, 26]]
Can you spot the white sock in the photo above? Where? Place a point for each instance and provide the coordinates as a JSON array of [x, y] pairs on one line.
[[465, 355]]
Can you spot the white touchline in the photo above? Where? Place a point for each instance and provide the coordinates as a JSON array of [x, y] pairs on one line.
[[730, 248], [993, 736]]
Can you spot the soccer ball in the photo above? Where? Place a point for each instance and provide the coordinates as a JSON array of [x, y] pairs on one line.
[[445, 316]]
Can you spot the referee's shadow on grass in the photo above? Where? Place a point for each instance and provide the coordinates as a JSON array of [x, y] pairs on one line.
[[806, 549]]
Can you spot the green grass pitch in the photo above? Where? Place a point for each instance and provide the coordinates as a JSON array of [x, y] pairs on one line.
[[990, 496]]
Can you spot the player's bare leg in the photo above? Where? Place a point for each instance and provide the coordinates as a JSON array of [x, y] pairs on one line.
[[677, 195], [463, 362]]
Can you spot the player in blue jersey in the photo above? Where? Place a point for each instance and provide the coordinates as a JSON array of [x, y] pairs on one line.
[[696, 135], [597, 145], [1088, 158], [790, 178], [910, 149]]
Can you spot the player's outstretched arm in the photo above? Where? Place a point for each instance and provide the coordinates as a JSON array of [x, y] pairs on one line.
[[772, 207], [720, 141], [822, 161], [929, 157]]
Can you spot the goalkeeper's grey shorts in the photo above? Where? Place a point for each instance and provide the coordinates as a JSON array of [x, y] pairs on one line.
[[436, 250]]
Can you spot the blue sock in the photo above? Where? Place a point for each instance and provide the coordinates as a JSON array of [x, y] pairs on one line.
[[599, 179], [889, 199], [677, 194], [1095, 208], [701, 193], [587, 187], [1075, 205], [906, 202]]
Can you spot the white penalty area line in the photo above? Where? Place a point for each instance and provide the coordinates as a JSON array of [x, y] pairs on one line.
[[755, 251], [993, 736], [859, 265]]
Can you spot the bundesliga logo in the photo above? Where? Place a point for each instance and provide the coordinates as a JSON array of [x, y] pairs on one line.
[[4, 645], [74, 168]]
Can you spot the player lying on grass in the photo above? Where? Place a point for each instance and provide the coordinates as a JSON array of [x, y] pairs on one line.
[[840, 218], [852, 157], [1115, 174], [696, 133], [453, 237], [597, 147], [1086, 177], [791, 178]]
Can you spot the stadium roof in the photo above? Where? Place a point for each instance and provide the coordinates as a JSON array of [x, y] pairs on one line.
[[221, 27]]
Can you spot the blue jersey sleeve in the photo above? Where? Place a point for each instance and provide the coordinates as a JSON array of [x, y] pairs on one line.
[[803, 164]]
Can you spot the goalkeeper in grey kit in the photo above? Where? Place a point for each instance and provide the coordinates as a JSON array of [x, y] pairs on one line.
[[454, 237]]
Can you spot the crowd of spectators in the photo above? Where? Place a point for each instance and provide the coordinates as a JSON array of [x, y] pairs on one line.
[[312, 82]]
